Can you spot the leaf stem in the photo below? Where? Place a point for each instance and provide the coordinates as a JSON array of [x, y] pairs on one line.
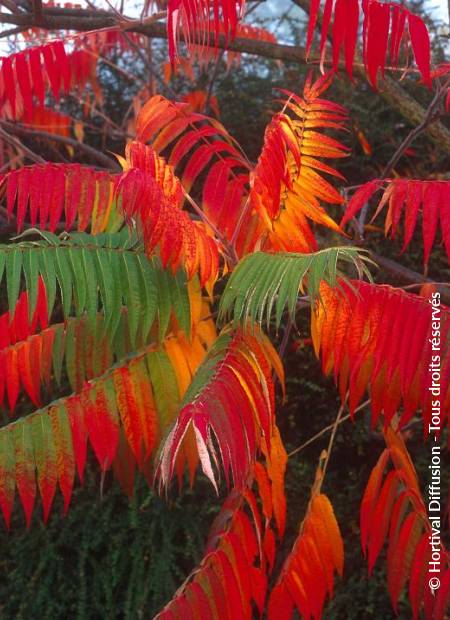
[[326, 429], [429, 118]]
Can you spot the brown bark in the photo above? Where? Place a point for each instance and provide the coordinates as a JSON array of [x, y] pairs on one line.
[[97, 156], [403, 276], [83, 20]]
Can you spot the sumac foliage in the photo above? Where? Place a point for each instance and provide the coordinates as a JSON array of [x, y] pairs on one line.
[[140, 295]]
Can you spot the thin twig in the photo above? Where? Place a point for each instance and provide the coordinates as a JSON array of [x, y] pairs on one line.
[[213, 79], [18, 144], [285, 340], [317, 436], [326, 429], [147, 65], [12, 31], [332, 438], [101, 158], [240, 221], [420, 284], [429, 118]]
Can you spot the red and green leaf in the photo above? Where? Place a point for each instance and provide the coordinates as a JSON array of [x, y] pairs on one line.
[[231, 401]]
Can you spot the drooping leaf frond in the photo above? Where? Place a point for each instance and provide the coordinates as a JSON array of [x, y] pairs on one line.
[[264, 283], [198, 20], [138, 398], [405, 199], [363, 335], [107, 271], [233, 574], [84, 350], [182, 242], [240, 552], [145, 158], [231, 400], [54, 195], [286, 187], [307, 576], [384, 28], [393, 510], [200, 145], [203, 56], [29, 72]]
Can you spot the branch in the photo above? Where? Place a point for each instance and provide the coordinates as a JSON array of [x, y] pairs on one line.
[[20, 146], [429, 118], [100, 158], [82, 20], [37, 10], [403, 275], [398, 98]]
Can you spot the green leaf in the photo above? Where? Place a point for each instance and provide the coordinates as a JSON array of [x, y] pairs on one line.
[[65, 279], [13, 272], [164, 302], [58, 350], [74, 361], [180, 301], [31, 270], [91, 286], [106, 284], [262, 280], [48, 273], [131, 282], [80, 280], [81, 268], [165, 386], [2, 265], [150, 294]]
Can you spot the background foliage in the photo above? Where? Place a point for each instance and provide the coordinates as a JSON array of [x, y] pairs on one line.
[[114, 558]]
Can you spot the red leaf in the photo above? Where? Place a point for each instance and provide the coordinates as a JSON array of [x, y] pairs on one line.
[[376, 39], [23, 79], [359, 199], [10, 85], [281, 605], [420, 41], [34, 55], [101, 423], [397, 29], [430, 217], [25, 476], [401, 557], [313, 14], [345, 30]]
